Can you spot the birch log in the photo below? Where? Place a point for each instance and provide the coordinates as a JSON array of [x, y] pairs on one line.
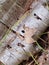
[[11, 11], [15, 46]]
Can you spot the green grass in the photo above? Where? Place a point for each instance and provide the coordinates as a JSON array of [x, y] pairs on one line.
[[33, 58]]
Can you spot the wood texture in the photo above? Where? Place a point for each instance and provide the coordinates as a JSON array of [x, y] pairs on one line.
[[15, 48], [3, 30], [11, 11]]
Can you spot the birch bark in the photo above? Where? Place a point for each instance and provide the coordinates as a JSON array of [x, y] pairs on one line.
[[35, 23]]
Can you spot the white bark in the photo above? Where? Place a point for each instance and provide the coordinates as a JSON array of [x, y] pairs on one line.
[[2, 1], [11, 11], [16, 54]]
